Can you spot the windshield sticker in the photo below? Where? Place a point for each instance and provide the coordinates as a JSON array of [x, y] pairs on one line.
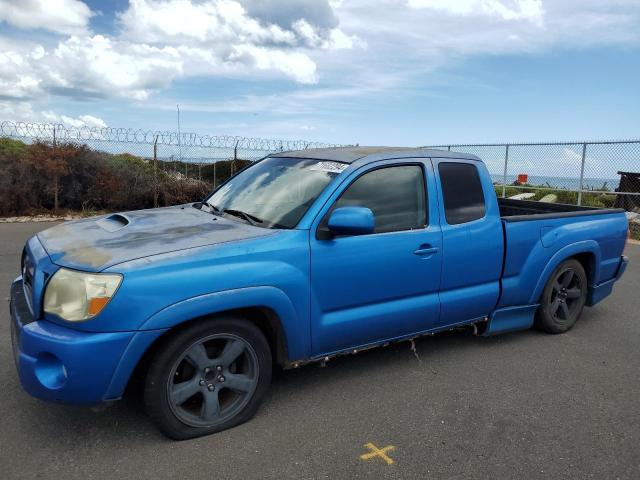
[[331, 167]]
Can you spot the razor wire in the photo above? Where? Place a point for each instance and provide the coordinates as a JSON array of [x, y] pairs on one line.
[[85, 134]]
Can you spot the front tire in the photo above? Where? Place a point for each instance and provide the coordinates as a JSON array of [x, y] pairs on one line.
[[563, 298], [208, 377]]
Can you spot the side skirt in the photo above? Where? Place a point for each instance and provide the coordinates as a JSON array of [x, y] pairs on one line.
[[476, 323]]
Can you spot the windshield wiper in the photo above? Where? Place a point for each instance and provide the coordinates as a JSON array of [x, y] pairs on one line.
[[213, 207], [204, 203], [252, 219]]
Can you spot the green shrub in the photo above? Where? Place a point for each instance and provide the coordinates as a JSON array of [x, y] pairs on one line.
[[600, 200], [38, 177]]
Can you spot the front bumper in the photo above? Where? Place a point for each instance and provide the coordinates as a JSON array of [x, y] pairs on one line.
[[60, 364]]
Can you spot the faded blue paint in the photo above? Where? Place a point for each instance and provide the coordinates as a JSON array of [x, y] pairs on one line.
[[329, 296], [510, 319], [91, 245]]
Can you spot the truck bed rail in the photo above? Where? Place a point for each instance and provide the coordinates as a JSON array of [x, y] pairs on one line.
[[524, 210]]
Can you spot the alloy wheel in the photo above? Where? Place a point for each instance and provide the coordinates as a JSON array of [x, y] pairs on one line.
[[212, 380]]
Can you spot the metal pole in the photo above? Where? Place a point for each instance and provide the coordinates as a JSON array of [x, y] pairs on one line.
[[584, 156], [55, 176], [155, 173], [449, 148], [215, 164], [235, 157], [504, 176]]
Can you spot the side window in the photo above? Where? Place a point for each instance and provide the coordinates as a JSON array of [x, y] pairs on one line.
[[395, 195], [462, 192]]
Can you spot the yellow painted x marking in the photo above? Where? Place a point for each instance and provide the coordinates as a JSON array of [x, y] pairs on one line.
[[378, 452]]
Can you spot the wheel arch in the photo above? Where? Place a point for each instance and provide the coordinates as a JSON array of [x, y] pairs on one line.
[[264, 318], [588, 262], [587, 253], [268, 308]]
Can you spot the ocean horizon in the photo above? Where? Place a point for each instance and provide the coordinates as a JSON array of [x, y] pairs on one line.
[[563, 182]]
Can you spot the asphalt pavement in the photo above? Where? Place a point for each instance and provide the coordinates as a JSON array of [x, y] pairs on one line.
[[521, 405]]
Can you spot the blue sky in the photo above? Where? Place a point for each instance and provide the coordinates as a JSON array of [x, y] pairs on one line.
[[396, 72]]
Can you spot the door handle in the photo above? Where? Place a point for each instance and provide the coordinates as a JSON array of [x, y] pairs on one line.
[[425, 250]]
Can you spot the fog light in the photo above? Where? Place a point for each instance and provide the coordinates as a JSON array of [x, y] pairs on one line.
[[50, 371]]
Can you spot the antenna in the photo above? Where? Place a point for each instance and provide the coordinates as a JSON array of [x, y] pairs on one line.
[[179, 135]]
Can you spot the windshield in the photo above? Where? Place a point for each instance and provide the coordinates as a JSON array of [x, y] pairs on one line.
[[275, 192]]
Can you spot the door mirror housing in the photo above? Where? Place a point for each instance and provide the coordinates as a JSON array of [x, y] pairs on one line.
[[351, 221]]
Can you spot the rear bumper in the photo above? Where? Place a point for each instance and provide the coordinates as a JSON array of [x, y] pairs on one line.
[[63, 365], [599, 292]]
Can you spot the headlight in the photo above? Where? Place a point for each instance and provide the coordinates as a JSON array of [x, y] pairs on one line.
[[77, 296]]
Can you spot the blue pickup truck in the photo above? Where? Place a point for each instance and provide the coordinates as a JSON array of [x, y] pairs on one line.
[[302, 256]]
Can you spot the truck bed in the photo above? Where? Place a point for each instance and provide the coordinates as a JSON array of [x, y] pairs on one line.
[[523, 210], [539, 235]]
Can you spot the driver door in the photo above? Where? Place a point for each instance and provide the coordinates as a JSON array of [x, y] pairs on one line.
[[370, 288]]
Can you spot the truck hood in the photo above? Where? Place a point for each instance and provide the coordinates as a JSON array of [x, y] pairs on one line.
[[97, 243]]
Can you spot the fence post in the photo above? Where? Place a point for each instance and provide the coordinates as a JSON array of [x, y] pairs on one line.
[[504, 175], [55, 175], [584, 157], [235, 157], [155, 172], [215, 164], [449, 148]]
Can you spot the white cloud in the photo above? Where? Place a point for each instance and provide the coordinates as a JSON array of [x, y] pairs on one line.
[[104, 66], [296, 65], [69, 17], [78, 122], [222, 33], [337, 50], [100, 66], [505, 9], [570, 154], [411, 33], [17, 78], [24, 112], [313, 101], [88, 66], [213, 22], [160, 41]]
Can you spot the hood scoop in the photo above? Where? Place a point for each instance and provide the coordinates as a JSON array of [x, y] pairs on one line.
[[114, 222]]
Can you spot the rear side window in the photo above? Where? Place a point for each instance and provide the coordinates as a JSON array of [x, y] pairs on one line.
[[395, 195], [462, 192]]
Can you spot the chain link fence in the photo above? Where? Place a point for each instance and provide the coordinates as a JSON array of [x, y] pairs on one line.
[[599, 174], [184, 153], [603, 174], [54, 166]]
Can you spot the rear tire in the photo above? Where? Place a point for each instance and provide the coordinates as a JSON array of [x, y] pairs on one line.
[[208, 377], [563, 298]]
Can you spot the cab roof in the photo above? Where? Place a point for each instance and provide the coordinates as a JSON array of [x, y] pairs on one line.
[[369, 154]]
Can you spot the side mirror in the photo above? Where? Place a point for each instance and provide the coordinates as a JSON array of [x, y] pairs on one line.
[[351, 221]]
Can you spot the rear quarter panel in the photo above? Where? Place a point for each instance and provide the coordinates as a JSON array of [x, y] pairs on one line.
[[534, 248]]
